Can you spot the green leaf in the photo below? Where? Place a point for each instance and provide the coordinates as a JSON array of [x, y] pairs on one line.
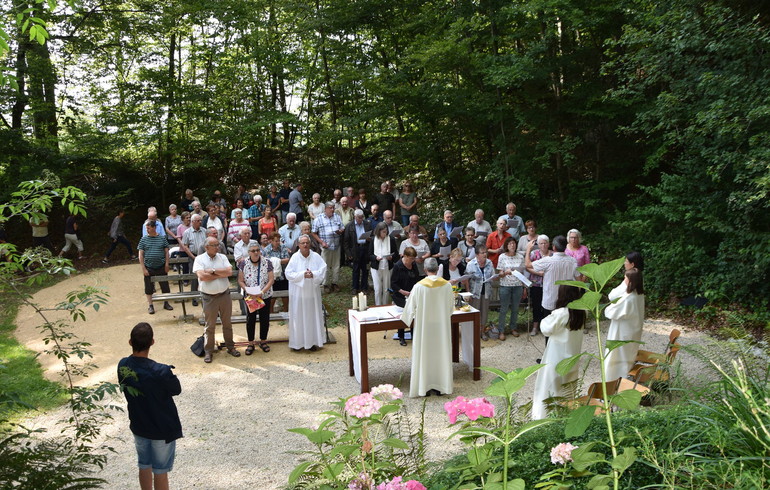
[[527, 371], [627, 399], [623, 461], [614, 344], [389, 408], [478, 455], [566, 365], [578, 421], [602, 273], [496, 371], [517, 484], [600, 482], [496, 389], [587, 302], [298, 470], [577, 284], [583, 457], [333, 470], [395, 443]]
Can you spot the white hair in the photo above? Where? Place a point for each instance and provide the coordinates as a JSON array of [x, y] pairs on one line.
[[576, 232], [543, 238], [358, 212]]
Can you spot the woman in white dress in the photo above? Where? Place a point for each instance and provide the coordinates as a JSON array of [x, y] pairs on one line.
[[564, 327], [382, 251], [627, 319]]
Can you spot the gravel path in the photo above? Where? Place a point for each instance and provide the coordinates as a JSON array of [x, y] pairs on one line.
[[235, 412]]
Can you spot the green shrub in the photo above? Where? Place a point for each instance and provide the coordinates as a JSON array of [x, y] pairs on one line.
[[530, 458]]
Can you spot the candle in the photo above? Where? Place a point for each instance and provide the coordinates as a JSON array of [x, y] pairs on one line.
[[361, 301], [355, 303]]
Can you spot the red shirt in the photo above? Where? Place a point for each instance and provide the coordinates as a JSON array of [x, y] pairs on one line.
[[494, 242]]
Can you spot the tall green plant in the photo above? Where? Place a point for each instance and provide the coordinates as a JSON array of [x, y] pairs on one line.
[[579, 419], [73, 454]]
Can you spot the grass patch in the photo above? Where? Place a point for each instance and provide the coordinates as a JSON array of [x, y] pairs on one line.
[[22, 377]]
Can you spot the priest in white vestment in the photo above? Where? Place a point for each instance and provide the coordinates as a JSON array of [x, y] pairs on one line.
[[430, 304], [305, 272], [627, 317]]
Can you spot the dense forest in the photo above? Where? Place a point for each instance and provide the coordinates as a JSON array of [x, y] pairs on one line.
[[645, 124]]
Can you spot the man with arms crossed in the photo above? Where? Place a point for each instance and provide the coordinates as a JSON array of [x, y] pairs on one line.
[[213, 270]]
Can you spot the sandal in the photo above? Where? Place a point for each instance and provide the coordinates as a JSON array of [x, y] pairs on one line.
[[249, 350], [264, 347]]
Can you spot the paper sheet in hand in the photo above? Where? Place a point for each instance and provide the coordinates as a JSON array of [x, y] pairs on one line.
[[456, 232], [253, 290], [444, 252], [396, 233], [511, 223], [365, 235], [518, 275]]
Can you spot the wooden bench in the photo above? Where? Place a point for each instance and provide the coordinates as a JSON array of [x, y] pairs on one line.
[[182, 296], [274, 317]]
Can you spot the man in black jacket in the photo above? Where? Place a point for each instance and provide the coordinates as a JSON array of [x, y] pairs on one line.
[[356, 250], [149, 387]]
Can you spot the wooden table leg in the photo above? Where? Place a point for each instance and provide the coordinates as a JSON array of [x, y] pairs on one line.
[[351, 371], [476, 346], [455, 342], [364, 362]]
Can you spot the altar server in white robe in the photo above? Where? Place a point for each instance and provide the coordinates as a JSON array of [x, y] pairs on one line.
[[430, 305], [627, 318], [564, 327], [305, 272]]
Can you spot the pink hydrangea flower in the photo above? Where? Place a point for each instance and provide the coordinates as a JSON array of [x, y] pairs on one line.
[[362, 406], [387, 392], [361, 482], [473, 409], [562, 453], [398, 483]]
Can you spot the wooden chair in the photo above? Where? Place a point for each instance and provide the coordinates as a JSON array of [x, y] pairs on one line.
[[594, 396], [653, 367]]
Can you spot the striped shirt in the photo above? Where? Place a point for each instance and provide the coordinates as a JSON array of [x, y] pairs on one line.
[[154, 248], [557, 267]]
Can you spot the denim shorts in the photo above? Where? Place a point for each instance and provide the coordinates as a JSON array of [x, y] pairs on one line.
[[155, 454]]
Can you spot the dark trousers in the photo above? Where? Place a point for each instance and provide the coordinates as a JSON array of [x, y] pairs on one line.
[[264, 321], [360, 272], [114, 245], [149, 287]]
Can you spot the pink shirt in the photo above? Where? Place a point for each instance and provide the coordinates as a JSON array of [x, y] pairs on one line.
[[581, 255]]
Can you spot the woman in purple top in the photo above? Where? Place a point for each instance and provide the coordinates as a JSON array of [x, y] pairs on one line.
[[575, 249]]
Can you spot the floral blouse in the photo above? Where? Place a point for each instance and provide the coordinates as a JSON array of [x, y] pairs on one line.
[[257, 274]]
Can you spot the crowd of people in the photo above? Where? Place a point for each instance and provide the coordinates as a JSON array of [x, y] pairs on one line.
[[281, 243]]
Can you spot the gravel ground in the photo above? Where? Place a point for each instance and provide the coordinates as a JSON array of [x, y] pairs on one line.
[[235, 412]]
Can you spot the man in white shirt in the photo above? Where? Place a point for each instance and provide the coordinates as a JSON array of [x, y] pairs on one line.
[[479, 224], [290, 231], [241, 249], [213, 270], [514, 222], [557, 267]]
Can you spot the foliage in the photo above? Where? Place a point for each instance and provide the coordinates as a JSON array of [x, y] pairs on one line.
[[367, 437], [487, 437], [580, 417], [729, 434], [72, 454], [698, 71], [529, 454]]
